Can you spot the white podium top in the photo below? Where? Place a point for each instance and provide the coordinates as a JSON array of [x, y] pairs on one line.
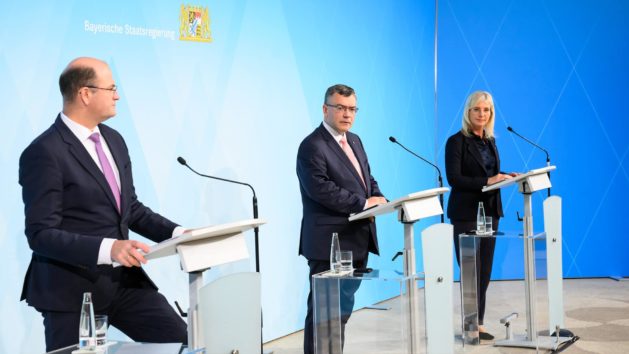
[[169, 247], [394, 205], [519, 178]]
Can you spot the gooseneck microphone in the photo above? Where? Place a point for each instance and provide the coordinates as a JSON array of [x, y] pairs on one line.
[[537, 146], [182, 161], [394, 140], [532, 143]]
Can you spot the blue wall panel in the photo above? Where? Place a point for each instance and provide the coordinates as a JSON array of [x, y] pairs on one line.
[[237, 107], [557, 70]]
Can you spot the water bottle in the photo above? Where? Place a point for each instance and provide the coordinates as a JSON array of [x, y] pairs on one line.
[[480, 219], [335, 254], [87, 326]]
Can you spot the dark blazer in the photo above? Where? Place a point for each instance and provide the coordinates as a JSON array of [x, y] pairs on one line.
[[467, 176], [331, 190], [69, 209]]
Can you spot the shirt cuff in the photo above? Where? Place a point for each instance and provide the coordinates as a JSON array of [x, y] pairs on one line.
[[178, 231], [104, 252], [366, 204]]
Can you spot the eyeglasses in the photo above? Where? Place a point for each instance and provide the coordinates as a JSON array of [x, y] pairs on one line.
[[478, 110], [340, 108], [113, 89]]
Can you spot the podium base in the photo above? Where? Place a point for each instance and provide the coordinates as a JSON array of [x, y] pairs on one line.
[[543, 342]]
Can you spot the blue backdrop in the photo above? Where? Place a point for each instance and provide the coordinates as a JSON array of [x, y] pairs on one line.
[[558, 74], [236, 107], [239, 106]]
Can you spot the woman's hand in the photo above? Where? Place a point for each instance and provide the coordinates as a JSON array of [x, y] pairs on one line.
[[499, 178]]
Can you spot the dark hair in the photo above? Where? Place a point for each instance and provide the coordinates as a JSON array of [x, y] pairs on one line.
[[341, 89], [72, 79]]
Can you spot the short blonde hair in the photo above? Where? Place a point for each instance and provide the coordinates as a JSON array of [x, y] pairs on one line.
[[471, 101]]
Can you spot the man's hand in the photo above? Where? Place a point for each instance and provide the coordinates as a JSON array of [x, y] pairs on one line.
[[126, 252], [375, 201]]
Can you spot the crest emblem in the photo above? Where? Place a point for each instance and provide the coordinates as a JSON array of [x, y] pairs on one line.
[[194, 24]]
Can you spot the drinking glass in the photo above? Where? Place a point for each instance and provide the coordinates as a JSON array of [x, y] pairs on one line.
[[488, 225], [101, 329], [346, 260]]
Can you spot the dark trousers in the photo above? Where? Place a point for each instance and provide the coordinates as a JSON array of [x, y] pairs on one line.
[[347, 301], [142, 314], [484, 259]]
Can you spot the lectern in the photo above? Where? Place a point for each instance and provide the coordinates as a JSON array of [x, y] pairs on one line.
[[529, 183], [199, 250], [437, 255]]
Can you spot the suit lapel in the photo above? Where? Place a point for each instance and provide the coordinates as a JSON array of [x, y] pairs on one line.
[[334, 146], [362, 159], [77, 150], [492, 143], [473, 150]]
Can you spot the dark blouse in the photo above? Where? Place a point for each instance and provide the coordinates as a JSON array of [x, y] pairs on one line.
[[486, 153]]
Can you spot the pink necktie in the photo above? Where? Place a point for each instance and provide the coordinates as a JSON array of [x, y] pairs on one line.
[[350, 154], [107, 170]]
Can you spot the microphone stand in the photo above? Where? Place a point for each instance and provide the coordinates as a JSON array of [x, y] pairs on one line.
[[182, 161], [537, 146], [439, 178]]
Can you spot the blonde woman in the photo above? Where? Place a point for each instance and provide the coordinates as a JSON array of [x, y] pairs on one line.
[[472, 161]]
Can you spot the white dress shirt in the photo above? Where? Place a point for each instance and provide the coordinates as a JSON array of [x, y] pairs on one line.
[[83, 133]]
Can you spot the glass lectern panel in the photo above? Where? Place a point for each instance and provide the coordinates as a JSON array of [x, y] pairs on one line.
[[468, 248], [511, 306], [376, 312]]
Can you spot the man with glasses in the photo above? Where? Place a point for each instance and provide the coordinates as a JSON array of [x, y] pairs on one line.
[[79, 204], [335, 181]]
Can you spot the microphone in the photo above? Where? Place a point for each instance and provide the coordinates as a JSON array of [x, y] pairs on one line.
[[532, 143], [182, 161], [537, 146], [394, 140]]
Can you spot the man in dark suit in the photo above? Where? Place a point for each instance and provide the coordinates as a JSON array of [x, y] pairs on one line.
[[335, 181], [79, 204]]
